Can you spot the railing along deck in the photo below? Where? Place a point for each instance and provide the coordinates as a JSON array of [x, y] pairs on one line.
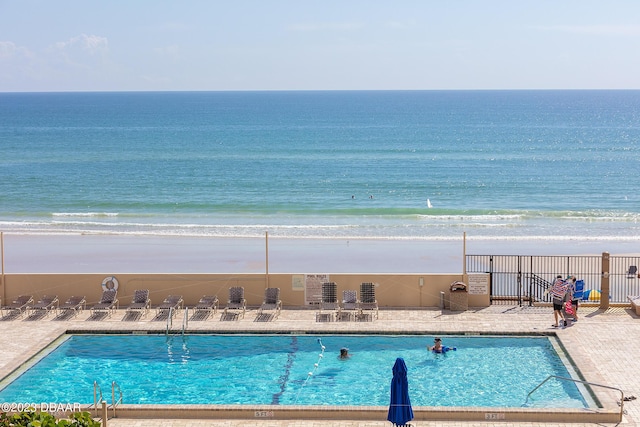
[[525, 278]]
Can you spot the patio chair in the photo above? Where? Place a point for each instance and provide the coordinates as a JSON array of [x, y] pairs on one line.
[[368, 300], [271, 302], [349, 307], [207, 305], [328, 306], [43, 307], [579, 290], [632, 273], [108, 303], [17, 307], [141, 303], [71, 307], [169, 306], [236, 305]]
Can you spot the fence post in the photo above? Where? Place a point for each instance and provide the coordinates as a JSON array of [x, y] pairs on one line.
[[490, 279], [604, 281], [105, 414], [519, 280], [3, 291]]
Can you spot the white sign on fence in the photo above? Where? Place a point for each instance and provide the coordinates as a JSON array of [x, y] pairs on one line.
[[478, 284]]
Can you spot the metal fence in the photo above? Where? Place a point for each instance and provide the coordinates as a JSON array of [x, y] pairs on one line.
[[525, 278]]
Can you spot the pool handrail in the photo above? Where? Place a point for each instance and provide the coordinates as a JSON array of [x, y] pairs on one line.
[[97, 391], [114, 403], [185, 320], [581, 382], [169, 321]]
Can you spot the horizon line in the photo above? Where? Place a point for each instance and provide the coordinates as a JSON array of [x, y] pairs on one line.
[[324, 90]]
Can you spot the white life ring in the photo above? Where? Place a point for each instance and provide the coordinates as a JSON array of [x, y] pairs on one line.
[[110, 282]]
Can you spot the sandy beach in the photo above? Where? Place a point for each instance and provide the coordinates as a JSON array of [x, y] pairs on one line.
[[154, 254]]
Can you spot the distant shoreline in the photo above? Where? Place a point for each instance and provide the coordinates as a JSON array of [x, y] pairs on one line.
[[154, 254]]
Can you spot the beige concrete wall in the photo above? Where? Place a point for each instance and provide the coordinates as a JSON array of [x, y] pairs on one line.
[[392, 290]]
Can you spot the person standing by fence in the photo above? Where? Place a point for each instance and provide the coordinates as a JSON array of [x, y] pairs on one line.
[[572, 290], [558, 292]]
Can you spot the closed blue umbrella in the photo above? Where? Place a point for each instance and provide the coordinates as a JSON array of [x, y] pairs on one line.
[[400, 411]]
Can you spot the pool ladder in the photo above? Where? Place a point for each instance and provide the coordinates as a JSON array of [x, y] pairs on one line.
[[185, 321], [98, 397], [580, 382]]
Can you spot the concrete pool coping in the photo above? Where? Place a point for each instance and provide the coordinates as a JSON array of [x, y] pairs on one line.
[[24, 339], [365, 413]]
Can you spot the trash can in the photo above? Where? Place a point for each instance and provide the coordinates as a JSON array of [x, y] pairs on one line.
[[458, 297]]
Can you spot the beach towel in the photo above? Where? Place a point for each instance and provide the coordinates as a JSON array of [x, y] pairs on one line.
[[559, 289], [568, 308]]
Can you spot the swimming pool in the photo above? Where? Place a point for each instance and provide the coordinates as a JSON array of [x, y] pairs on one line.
[[295, 370]]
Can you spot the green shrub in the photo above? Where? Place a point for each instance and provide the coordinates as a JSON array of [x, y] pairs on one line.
[[44, 419]]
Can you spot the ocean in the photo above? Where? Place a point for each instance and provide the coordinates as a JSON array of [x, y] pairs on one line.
[[406, 165]]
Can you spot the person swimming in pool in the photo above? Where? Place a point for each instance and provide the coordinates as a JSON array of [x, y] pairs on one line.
[[344, 353], [437, 346]]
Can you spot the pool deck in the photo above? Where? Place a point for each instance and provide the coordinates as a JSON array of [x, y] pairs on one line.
[[605, 345]]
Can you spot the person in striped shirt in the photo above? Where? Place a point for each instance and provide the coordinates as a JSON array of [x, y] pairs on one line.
[[558, 291]]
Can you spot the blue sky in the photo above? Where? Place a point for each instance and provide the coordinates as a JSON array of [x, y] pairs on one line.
[[141, 45]]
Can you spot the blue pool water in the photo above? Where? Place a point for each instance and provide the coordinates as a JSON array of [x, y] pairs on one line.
[[281, 370]]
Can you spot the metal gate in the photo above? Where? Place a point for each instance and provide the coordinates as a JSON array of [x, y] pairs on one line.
[[524, 279]]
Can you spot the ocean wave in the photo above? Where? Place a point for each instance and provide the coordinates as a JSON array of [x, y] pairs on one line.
[[594, 215], [85, 214], [350, 215], [560, 230], [460, 217], [488, 225], [440, 238]]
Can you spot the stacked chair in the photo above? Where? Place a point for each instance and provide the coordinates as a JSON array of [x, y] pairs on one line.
[[368, 305], [328, 306], [349, 307]]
